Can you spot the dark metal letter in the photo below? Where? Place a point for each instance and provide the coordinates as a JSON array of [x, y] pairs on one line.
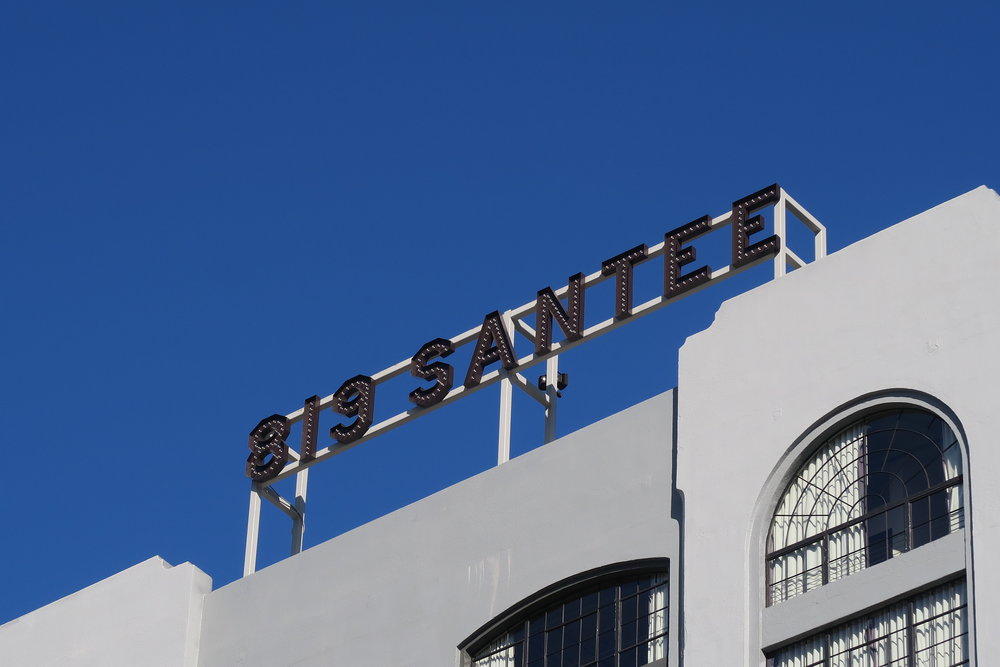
[[268, 438], [675, 256], [547, 306], [442, 374], [621, 266], [743, 227], [493, 345], [310, 428], [361, 406]]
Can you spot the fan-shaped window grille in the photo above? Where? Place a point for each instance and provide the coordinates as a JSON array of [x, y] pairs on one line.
[[882, 486]]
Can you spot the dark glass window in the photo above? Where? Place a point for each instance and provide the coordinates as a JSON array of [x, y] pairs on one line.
[[884, 485], [616, 622]]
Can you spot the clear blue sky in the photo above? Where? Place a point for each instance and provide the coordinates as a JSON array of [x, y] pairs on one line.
[[213, 210]]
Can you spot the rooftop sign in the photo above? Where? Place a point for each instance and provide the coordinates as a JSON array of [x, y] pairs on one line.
[[557, 325]]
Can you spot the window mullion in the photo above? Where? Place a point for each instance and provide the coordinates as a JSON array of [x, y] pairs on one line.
[[618, 625], [911, 643], [909, 525]]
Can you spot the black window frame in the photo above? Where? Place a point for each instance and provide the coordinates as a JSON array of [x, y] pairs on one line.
[[880, 546], [905, 633], [565, 591]]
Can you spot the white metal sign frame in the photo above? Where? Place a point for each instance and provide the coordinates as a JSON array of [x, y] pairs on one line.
[[514, 322]]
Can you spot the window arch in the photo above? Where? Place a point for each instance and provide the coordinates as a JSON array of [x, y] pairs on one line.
[[883, 485], [615, 616]]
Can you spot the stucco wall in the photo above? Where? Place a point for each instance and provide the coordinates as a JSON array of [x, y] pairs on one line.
[[911, 308], [407, 588], [149, 614]]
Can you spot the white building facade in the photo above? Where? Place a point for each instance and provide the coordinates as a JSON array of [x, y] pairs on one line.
[[816, 491]]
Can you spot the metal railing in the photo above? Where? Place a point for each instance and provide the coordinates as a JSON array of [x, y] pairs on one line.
[[866, 541]]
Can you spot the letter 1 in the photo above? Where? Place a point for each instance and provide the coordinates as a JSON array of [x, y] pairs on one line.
[[621, 267], [547, 307], [493, 345], [441, 373], [743, 227], [362, 406], [268, 439], [675, 256], [310, 428]]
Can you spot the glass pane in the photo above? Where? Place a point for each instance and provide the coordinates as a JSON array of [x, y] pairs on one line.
[[553, 641], [628, 609], [571, 635], [571, 609], [940, 518], [588, 626], [606, 618], [536, 647], [920, 510], [588, 650], [606, 644]]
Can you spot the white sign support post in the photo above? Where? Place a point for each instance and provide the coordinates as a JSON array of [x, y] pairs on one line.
[[514, 324]]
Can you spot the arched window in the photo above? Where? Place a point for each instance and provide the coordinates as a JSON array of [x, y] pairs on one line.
[[884, 485], [613, 618]]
